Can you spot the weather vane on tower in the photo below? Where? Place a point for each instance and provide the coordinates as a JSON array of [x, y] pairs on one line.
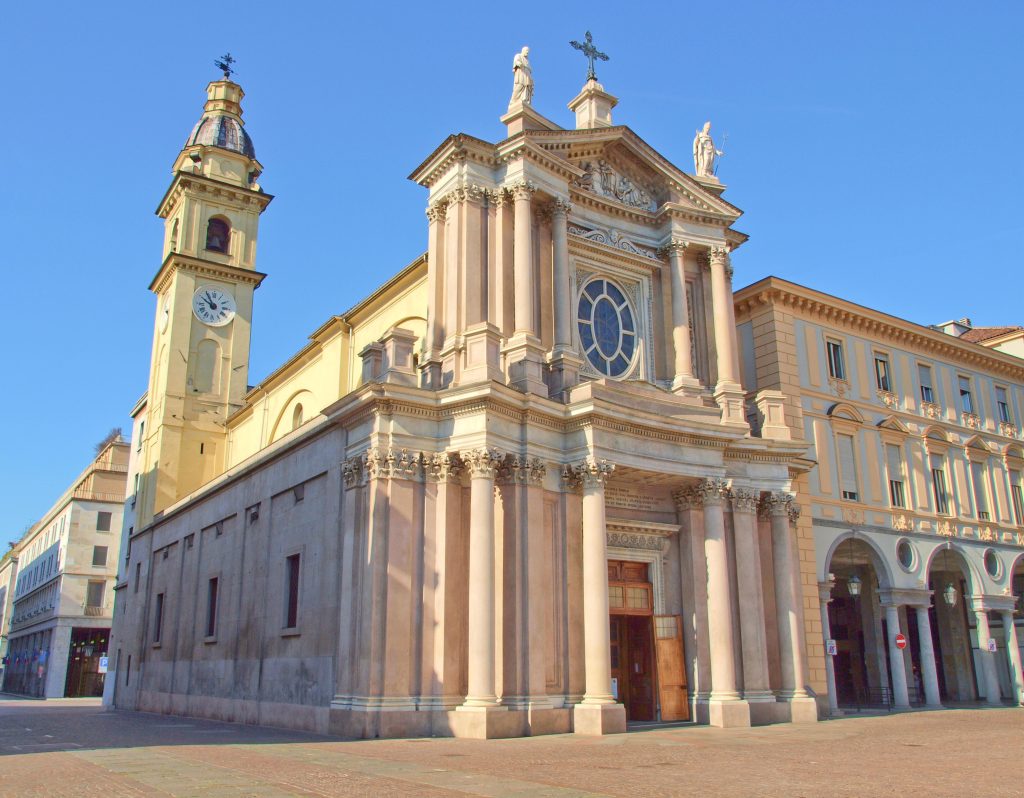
[[224, 65], [591, 52]]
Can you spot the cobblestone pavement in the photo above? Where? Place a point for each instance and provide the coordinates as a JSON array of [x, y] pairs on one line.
[[74, 748]]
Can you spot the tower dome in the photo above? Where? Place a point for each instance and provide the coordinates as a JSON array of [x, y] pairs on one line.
[[224, 131]]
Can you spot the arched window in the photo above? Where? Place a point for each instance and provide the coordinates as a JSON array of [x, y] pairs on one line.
[[218, 232], [607, 328], [297, 417], [174, 236]]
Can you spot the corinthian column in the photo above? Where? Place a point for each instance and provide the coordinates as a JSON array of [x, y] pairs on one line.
[[430, 368], [597, 713], [565, 365], [728, 392], [683, 372], [748, 573], [524, 354], [482, 465], [725, 706]]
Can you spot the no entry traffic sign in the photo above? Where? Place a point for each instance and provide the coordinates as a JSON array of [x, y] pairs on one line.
[[901, 641]]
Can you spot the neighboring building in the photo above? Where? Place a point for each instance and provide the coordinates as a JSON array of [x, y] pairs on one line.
[[8, 577], [512, 486], [63, 599], [915, 505]]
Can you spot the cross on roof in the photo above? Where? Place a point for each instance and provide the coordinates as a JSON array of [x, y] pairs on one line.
[[224, 65], [591, 53]]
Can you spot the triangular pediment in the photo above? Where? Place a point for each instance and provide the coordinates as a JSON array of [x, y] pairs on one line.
[[621, 168]]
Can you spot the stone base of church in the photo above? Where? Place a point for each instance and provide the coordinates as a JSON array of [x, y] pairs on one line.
[[803, 709], [762, 710], [480, 723], [598, 719], [728, 714]]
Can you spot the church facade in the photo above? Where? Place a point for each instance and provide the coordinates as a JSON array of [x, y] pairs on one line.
[[518, 490]]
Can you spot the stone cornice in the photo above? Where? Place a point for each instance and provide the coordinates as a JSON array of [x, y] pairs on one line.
[[199, 183], [175, 261], [454, 149], [875, 325]]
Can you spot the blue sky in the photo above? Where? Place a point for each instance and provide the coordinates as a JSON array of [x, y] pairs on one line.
[[876, 149]]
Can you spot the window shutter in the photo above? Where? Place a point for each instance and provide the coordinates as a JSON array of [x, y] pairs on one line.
[[980, 495], [894, 461], [847, 464]]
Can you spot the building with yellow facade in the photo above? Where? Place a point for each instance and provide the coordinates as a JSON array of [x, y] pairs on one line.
[[915, 505], [514, 491]]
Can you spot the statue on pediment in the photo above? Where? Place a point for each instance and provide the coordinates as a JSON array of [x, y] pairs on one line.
[[522, 78], [704, 152]]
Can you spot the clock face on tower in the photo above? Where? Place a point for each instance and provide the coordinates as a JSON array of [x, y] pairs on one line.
[[213, 306]]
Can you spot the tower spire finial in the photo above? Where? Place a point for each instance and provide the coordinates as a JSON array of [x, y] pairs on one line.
[[591, 53], [224, 64]]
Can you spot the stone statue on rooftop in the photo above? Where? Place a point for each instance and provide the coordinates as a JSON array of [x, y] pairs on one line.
[[704, 152], [522, 84]]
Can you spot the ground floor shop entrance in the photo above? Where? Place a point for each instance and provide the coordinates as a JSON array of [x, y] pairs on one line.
[[86, 672], [648, 668]]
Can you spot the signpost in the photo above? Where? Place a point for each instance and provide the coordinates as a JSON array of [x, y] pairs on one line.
[[103, 665], [992, 645], [830, 648], [901, 641]]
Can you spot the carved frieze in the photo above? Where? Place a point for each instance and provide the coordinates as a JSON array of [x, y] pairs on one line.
[[612, 238], [972, 420], [636, 540], [887, 398], [930, 410], [600, 178]]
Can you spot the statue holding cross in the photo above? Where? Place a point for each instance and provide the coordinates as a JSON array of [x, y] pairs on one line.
[[591, 52]]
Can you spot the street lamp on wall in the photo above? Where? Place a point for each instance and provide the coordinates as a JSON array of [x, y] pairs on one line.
[[853, 585], [950, 593]]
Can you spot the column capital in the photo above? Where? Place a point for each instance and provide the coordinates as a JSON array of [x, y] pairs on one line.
[[482, 463], [521, 189], [468, 192], [719, 256], [674, 246], [744, 500], [518, 470], [687, 499], [353, 472], [436, 210], [498, 197], [712, 492], [561, 207], [445, 467], [776, 504], [380, 463], [591, 472]]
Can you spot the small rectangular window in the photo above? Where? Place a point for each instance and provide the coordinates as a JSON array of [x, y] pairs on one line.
[[836, 362], [211, 607], [966, 403], [102, 521], [1003, 406], [291, 614], [138, 576], [94, 594], [882, 378], [158, 618], [847, 467], [128, 670], [99, 555], [924, 374]]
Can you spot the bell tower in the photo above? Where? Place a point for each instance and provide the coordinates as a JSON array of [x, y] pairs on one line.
[[204, 298]]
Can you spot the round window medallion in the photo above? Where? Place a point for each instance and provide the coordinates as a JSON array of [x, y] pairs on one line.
[[992, 564], [905, 554], [606, 327]]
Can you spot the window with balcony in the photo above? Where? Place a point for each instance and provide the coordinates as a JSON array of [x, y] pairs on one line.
[[981, 506], [883, 378], [894, 464], [836, 360], [847, 467], [966, 401], [1003, 405], [924, 375]]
